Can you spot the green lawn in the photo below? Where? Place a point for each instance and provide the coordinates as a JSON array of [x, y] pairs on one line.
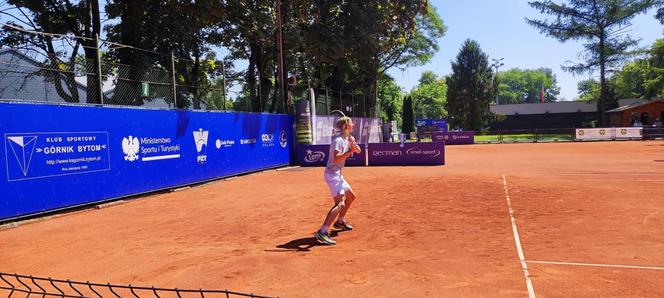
[[509, 138], [526, 137]]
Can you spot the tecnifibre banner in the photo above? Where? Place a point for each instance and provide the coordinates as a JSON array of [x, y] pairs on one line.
[[367, 130], [61, 156]]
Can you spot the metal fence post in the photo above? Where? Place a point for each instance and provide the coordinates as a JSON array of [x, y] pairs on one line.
[[99, 77], [175, 98], [352, 100], [341, 103], [223, 79], [327, 101]]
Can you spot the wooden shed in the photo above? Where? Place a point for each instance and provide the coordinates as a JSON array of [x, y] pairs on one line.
[[646, 112]]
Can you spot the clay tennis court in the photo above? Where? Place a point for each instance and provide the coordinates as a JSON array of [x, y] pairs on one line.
[[589, 218]]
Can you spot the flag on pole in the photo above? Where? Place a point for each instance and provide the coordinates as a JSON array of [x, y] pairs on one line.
[[542, 93]]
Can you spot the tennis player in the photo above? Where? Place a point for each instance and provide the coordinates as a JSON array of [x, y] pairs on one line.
[[343, 145]]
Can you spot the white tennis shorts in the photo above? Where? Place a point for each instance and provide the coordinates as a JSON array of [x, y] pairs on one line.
[[336, 183]]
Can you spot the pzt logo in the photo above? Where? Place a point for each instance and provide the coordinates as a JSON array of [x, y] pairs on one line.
[[201, 139]]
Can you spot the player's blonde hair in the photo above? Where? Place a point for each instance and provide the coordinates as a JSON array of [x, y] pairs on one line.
[[342, 121]]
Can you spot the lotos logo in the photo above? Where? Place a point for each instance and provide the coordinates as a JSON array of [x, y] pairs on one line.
[[130, 147], [623, 131], [602, 132], [314, 156], [283, 139], [420, 152], [581, 132]]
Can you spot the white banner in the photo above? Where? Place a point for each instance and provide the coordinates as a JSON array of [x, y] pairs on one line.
[[628, 132], [367, 130], [612, 133]]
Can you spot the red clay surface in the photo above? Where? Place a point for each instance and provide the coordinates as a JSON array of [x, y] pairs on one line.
[[419, 231]]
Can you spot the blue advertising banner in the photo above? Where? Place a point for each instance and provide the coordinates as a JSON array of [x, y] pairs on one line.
[[454, 137], [432, 124], [43, 154], [62, 156], [408, 154], [318, 155]]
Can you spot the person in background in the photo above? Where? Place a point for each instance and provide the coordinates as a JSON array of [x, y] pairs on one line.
[[657, 123]]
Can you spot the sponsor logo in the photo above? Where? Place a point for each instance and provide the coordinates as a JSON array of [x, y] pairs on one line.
[[267, 139], [602, 132], [387, 153], [426, 153], [283, 139], [224, 143], [460, 137], [581, 132], [247, 141], [201, 139], [130, 148], [623, 131], [50, 154], [149, 149], [314, 156], [23, 148]]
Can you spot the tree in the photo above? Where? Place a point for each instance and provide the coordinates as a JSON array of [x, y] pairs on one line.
[[429, 97], [642, 78], [470, 88], [428, 77], [629, 82], [389, 99], [180, 28], [248, 30], [80, 19], [525, 85], [588, 90], [348, 45], [408, 125], [601, 24], [654, 85]]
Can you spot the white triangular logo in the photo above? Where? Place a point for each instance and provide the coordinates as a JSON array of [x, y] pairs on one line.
[[23, 148]]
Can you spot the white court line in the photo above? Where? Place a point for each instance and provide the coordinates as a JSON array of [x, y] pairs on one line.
[[522, 258], [598, 265]]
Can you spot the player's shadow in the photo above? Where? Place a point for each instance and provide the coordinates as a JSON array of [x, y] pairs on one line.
[[301, 244]]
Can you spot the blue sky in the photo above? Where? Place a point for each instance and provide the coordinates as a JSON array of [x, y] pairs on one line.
[[502, 32]]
